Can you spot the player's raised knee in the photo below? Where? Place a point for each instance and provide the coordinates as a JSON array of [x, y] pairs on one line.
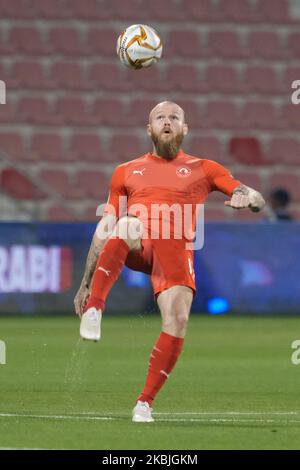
[[130, 228]]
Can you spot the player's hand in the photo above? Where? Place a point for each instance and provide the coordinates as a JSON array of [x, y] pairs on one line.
[[244, 197], [81, 299]]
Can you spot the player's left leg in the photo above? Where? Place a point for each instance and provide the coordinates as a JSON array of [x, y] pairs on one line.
[[174, 304]]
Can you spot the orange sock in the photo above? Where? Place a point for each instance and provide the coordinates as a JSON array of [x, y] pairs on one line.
[[162, 361], [108, 269]]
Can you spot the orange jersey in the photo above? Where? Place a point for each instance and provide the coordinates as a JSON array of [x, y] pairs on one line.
[[150, 181]]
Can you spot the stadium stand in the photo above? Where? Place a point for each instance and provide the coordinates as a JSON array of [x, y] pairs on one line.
[[73, 112]]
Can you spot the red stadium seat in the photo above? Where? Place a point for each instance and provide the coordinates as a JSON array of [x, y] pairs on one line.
[[262, 79], [18, 186], [193, 112], [246, 150], [166, 10], [204, 11], [274, 11], [69, 76], [110, 112], [183, 43], [94, 10], [109, 76], [294, 45], [222, 78], [52, 9], [221, 115], [27, 40], [67, 41], [73, 111], [284, 150], [35, 111], [237, 11], [7, 113], [46, 147], [126, 146], [205, 147], [15, 9], [183, 78], [261, 115], [288, 180], [11, 144], [265, 44], [28, 74], [61, 183], [139, 110], [290, 116], [103, 41], [224, 44], [94, 184], [87, 147], [151, 79], [250, 178]]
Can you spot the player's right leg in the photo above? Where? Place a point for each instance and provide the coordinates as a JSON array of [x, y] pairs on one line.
[[125, 237]]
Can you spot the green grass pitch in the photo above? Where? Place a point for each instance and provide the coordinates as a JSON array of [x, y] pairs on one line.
[[234, 386]]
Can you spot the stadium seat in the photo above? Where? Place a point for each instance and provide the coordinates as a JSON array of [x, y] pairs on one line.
[[237, 11], [33, 110], [103, 41], [87, 147], [152, 79], [220, 114], [28, 74], [110, 112], [289, 180], [138, 111], [290, 117], [183, 78], [183, 43], [94, 185], [52, 9], [222, 79], [7, 113], [205, 147], [126, 146], [94, 10], [201, 11], [274, 11], [18, 186], [250, 178], [27, 40], [261, 115], [67, 41], [166, 10], [265, 44], [246, 150], [262, 79], [46, 147], [62, 183], [73, 111], [15, 9], [108, 77], [284, 151], [193, 112], [224, 44], [69, 76], [294, 45], [12, 145]]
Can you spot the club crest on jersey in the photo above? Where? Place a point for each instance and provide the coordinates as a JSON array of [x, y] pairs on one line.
[[183, 171]]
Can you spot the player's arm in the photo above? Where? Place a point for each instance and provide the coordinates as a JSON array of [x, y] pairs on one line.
[[104, 229], [242, 196]]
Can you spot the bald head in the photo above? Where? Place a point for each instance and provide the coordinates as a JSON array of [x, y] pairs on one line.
[[166, 106], [167, 129]]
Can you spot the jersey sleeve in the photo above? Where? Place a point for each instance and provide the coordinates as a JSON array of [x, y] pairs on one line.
[[117, 198], [220, 178]]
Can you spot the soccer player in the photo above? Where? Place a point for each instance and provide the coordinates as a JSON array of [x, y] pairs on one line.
[[170, 177]]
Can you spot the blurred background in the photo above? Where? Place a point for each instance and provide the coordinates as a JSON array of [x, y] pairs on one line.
[[73, 113]]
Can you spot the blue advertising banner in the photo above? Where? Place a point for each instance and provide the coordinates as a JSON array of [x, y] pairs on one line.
[[242, 268]]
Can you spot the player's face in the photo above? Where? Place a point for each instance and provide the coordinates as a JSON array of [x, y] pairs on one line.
[[167, 129]]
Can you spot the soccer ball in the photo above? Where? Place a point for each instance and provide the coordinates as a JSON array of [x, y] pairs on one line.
[[139, 46]]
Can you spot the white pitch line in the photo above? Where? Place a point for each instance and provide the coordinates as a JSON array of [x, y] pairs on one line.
[[204, 419]]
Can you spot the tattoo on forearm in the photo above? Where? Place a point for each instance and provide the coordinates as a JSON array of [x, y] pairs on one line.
[[90, 263]]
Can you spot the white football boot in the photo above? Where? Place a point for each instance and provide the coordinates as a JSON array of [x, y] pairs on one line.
[[90, 325], [142, 413]]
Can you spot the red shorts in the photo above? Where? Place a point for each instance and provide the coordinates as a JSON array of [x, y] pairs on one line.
[[168, 262]]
